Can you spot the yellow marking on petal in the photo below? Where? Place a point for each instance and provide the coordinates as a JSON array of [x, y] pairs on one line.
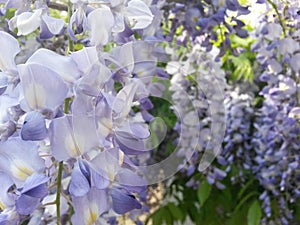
[[92, 218], [121, 157], [71, 146], [20, 170], [111, 176], [283, 87], [2, 207], [35, 95], [92, 215]]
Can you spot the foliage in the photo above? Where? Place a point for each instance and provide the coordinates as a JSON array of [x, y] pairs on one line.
[[101, 101]]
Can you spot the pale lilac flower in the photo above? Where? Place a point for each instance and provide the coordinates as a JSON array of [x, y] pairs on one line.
[[20, 159], [287, 46], [72, 136], [85, 177], [100, 23], [123, 201], [38, 84], [27, 22], [7, 200], [9, 49], [30, 195], [34, 127], [274, 31], [90, 207], [62, 65], [295, 62]]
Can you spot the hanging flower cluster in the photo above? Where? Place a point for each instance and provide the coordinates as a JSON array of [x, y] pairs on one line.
[[76, 121], [66, 131]]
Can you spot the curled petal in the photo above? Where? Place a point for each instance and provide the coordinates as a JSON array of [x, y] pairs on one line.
[[78, 19], [34, 127], [9, 49], [139, 14], [123, 102], [79, 185], [123, 201], [35, 186], [28, 22], [54, 25], [26, 204], [84, 177]]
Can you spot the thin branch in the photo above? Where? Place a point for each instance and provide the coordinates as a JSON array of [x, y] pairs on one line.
[[274, 6], [58, 192], [58, 6], [70, 41]]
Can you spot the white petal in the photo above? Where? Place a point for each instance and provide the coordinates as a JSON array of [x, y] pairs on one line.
[[119, 25], [123, 102], [85, 58], [274, 31], [100, 23], [139, 14], [124, 56], [9, 49], [173, 67], [28, 22], [62, 65], [39, 84], [54, 25]]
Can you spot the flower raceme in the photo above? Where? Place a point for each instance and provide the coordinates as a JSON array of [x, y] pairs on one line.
[[73, 128], [92, 138]]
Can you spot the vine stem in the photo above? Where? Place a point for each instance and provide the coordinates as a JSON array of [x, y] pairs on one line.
[[59, 177], [59, 173], [274, 6], [70, 41], [58, 6], [66, 111]]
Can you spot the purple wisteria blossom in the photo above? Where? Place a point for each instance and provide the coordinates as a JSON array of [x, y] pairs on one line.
[[276, 136], [100, 127], [108, 19], [28, 20], [76, 123]]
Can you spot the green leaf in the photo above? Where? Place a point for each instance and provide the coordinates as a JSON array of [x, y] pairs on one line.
[[297, 211], [244, 200], [175, 211], [158, 217], [162, 215], [242, 67], [193, 213], [238, 73], [203, 192], [168, 216], [244, 188], [254, 213], [10, 13]]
